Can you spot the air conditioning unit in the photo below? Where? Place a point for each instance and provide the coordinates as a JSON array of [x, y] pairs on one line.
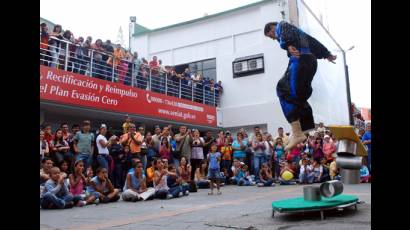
[[248, 65]]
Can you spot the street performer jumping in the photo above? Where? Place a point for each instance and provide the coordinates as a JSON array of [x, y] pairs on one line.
[[294, 88]]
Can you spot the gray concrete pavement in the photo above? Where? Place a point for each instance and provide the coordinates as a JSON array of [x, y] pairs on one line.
[[236, 208]]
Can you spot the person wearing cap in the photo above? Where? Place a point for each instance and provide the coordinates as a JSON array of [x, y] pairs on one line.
[[328, 148], [295, 87], [133, 139], [102, 146], [83, 144]]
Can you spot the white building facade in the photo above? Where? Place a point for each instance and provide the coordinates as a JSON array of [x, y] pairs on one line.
[[249, 100]]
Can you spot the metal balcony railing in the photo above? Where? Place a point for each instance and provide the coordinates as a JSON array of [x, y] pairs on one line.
[[71, 57]]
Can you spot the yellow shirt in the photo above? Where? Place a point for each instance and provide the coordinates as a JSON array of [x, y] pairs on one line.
[[226, 153], [333, 169], [150, 174], [125, 127]]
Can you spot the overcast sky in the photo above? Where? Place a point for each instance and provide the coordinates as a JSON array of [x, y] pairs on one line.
[[103, 18]]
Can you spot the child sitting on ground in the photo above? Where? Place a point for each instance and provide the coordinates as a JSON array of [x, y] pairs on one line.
[[174, 182], [150, 173], [56, 195], [244, 179], [236, 167], [77, 179], [201, 175], [185, 174], [326, 168], [287, 174], [160, 181], [305, 173], [64, 169], [364, 172], [135, 188], [333, 171], [101, 188], [265, 176], [317, 171]]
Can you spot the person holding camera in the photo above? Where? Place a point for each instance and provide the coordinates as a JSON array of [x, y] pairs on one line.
[[197, 154], [133, 139], [184, 143]]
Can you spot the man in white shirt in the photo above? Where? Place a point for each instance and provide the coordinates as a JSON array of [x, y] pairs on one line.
[[102, 146]]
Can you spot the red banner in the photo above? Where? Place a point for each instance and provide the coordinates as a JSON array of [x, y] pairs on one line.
[[75, 89]]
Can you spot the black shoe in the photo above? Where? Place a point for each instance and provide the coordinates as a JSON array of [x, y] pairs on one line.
[[134, 199]]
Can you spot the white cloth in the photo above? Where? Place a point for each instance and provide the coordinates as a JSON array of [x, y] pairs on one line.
[[129, 194], [101, 149], [308, 168]]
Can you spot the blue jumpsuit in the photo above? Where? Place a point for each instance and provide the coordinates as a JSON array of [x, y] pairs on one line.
[[294, 88]]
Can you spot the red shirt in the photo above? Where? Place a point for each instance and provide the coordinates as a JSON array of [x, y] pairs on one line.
[[154, 67], [44, 40], [48, 138]]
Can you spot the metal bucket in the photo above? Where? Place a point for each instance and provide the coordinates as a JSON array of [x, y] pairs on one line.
[[311, 193], [331, 188], [348, 161], [346, 146], [350, 176]]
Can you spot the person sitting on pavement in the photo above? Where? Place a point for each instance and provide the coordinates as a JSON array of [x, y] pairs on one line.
[[265, 176], [201, 173], [56, 194], [135, 187], [101, 188]]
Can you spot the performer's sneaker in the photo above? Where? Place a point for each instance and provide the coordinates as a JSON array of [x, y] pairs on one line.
[[297, 136]]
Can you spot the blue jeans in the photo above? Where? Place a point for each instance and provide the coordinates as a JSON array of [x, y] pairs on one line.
[[244, 182], [202, 184], [258, 161], [176, 162], [86, 158], [277, 168], [102, 160], [306, 178], [266, 183], [144, 161], [118, 181], [175, 191], [369, 159], [161, 194], [58, 202]]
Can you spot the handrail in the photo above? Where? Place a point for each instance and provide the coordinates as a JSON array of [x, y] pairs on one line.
[[64, 56]]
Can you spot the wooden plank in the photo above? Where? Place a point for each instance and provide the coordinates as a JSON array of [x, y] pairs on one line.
[[347, 132]]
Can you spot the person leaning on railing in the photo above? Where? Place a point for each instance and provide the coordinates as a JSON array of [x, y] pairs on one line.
[[55, 44], [44, 39], [97, 59], [115, 59]]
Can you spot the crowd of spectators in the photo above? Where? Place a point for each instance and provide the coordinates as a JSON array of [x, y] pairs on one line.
[[111, 62], [81, 166]]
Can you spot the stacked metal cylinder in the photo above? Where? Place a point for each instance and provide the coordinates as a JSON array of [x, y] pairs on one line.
[[348, 162]]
